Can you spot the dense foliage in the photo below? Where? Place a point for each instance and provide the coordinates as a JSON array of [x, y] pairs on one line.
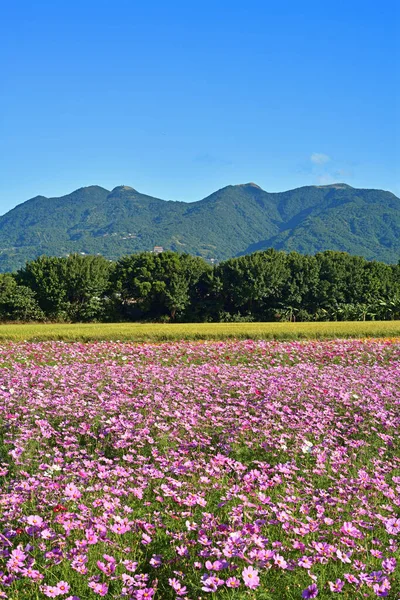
[[224, 470], [235, 220], [264, 286]]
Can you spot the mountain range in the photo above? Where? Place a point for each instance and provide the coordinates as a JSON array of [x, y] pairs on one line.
[[235, 220]]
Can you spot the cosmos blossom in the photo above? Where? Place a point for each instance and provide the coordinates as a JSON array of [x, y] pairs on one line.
[[336, 586], [250, 577], [310, 592], [393, 526]]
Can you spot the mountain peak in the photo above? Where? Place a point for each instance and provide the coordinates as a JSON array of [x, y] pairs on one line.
[[88, 189], [250, 184], [336, 186], [123, 188]]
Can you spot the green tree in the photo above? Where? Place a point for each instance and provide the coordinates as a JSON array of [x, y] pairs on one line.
[[69, 288], [252, 284], [87, 283], [46, 276], [17, 302], [158, 286], [299, 289], [341, 279]]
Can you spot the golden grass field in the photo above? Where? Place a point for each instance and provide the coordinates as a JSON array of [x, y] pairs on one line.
[[154, 332]]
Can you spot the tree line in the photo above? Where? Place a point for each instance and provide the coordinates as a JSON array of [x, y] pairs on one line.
[[264, 286]]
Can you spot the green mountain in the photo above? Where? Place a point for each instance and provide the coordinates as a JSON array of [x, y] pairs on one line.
[[235, 220]]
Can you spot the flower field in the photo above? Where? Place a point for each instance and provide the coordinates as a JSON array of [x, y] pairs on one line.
[[230, 469]]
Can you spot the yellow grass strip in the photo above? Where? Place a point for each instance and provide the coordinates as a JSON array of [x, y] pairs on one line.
[[197, 331]]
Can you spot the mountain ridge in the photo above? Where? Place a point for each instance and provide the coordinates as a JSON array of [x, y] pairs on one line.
[[231, 221]]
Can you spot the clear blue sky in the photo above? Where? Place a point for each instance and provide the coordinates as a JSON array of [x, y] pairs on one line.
[[178, 99]]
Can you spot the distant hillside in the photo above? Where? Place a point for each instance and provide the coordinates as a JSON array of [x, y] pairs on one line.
[[235, 220]]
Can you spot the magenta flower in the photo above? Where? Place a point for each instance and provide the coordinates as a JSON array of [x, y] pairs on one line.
[[146, 539], [211, 584], [63, 587], [349, 529], [33, 574], [179, 589], [72, 492], [144, 594], [131, 566], [91, 537], [351, 578], [310, 592], [233, 582], [337, 586], [107, 568], [280, 561], [393, 526], [382, 589], [99, 588], [182, 550], [389, 565], [50, 591], [120, 528], [306, 562], [35, 520]]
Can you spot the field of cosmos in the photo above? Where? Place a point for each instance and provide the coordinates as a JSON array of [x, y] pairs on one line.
[[226, 469]]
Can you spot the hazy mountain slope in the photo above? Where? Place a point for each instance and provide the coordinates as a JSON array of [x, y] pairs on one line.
[[234, 220]]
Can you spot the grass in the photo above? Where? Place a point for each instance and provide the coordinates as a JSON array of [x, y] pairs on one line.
[[86, 332]]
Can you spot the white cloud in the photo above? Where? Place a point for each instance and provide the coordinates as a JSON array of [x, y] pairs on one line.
[[319, 159]]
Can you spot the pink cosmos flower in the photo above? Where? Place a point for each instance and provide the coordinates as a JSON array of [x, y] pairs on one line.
[[35, 520], [71, 491], [155, 561], [393, 526], [345, 558], [146, 539], [128, 580], [233, 582], [382, 589], [389, 565], [211, 584], [18, 554], [349, 529], [63, 587], [280, 561], [32, 574], [16, 560], [120, 528], [217, 565], [182, 550], [107, 568], [306, 562], [250, 577], [91, 536], [350, 578], [337, 586], [50, 591], [99, 588], [178, 588], [145, 594]]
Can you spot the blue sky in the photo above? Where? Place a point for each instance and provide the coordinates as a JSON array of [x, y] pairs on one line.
[[178, 99]]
